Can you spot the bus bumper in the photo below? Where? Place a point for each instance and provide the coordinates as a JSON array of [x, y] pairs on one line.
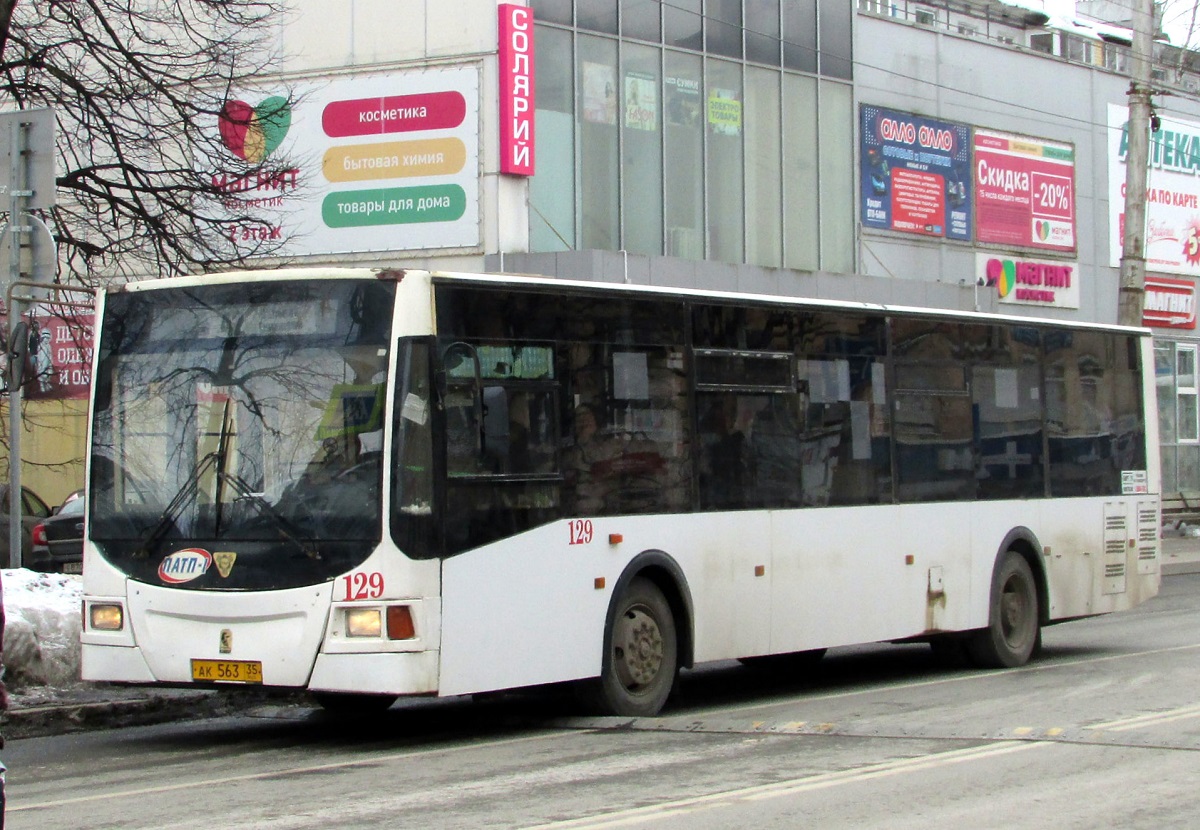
[[122, 664], [406, 673]]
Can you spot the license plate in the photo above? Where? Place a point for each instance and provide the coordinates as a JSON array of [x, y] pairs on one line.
[[227, 671], [72, 567]]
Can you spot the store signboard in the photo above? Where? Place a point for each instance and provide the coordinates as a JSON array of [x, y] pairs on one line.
[[516, 89], [1032, 282], [379, 163], [1169, 303], [1172, 194], [1024, 191], [915, 174]]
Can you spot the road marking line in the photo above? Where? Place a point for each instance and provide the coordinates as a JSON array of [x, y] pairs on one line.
[[959, 677], [1152, 719], [820, 781], [255, 776]]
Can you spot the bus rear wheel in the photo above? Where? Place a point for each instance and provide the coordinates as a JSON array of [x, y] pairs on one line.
[[1013, 630], [641, 657]]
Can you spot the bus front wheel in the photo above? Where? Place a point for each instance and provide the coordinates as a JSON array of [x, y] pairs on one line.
[[1013, 631], [641, 655]]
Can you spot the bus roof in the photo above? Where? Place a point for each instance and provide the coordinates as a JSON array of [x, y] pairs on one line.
[[602, 287]]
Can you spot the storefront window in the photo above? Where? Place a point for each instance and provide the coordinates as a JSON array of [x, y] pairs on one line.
[[639, 19], [641, 150], [800, 244], [1187, 425], [725, 112], [764, 186], [552, 196], [836, 178], [762, 31], [648, 142], [683, 117], [600, 174]]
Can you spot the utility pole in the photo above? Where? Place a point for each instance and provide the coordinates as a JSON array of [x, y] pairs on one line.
[[1137, 159]]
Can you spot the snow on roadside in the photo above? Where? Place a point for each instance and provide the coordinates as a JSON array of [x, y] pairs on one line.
[[41, 629]]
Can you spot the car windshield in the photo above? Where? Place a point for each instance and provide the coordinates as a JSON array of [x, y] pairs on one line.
[[245, 417], [72, 508]]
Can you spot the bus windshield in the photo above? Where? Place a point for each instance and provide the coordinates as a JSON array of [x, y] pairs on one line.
[[240, 426]]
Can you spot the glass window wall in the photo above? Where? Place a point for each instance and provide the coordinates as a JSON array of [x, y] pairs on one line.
[[698, 132]]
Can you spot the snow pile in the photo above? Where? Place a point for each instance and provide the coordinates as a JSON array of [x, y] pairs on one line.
[[41, 629]]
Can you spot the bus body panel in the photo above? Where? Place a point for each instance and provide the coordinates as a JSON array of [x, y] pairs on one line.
[[512, 617], [829, 577], [281, 629], [414, 673]]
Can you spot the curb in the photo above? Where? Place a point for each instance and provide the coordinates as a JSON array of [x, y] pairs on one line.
[[155, 708]]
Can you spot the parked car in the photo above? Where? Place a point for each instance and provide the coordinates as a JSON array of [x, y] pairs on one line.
[[58, 539], [33, 510]]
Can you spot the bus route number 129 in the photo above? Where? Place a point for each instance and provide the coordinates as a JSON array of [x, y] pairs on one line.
[[581, 531], [360, 585]]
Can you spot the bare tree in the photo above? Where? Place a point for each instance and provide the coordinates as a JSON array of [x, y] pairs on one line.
[[146, 180]]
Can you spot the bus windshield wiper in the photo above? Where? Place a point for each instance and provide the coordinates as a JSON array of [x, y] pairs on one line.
[[217, 461], [286, 529], [172, 511]]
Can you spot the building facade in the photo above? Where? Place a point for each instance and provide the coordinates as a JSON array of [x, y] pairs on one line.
[[958, 155]]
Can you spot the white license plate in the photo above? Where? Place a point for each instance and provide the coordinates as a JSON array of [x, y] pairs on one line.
[[72, 567]]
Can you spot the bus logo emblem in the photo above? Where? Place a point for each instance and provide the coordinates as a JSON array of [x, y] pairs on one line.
[[184, 565], [224, 561]]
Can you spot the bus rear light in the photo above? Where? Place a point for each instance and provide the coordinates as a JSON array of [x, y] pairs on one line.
[[363, 622], [400, 623], [104, 617]]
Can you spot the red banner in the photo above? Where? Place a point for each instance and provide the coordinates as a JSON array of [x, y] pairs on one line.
[[516, 89], [1169, 303], [59, 361]]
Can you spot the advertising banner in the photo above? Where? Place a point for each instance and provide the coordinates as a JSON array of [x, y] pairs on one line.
[[1172, 194], [1024, 191], [915, 174], [59, 361], [1037, 282], [382, 163]]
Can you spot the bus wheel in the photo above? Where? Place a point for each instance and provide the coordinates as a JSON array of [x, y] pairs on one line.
[[351, 703], [1013, 630], [641, 655]]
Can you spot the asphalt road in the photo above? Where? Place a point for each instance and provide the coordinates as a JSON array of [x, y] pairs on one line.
[[1102, 731]]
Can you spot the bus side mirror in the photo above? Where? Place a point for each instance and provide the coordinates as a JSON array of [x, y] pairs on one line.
[[18, 353]]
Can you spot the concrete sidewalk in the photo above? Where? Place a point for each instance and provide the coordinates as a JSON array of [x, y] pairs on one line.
[[1180, 554], [101, 706]]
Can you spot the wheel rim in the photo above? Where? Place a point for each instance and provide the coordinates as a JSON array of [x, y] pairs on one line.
[[1015, 617], [638, 648]]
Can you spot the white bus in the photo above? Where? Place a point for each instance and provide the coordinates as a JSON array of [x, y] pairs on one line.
[[372, 483]]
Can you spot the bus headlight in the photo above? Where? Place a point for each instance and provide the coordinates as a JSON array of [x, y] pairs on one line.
[[105, 617], [363, 622]]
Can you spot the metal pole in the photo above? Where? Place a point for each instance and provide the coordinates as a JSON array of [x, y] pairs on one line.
[[17, 186], [1133, 250]]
